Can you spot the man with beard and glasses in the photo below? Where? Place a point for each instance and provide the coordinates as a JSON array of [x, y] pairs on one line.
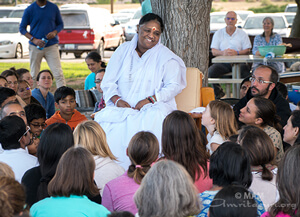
[[45, 22], [263, 84]]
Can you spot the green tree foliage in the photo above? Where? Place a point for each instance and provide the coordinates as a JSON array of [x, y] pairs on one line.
[[268, 9]]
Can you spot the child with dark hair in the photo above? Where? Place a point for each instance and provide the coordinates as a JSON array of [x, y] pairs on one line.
[[229, 164], [36, 117], [65, 101], [143, 150], [94, 63], [233, 201], [261, 152]]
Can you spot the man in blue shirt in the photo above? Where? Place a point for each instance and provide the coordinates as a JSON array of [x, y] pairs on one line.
[[45, 22]]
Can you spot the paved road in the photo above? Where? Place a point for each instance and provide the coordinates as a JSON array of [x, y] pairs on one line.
[[64, 58]]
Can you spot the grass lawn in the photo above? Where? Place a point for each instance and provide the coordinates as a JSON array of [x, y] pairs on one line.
[[74, 73]]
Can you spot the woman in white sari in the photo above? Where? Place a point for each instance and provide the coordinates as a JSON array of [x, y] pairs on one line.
[[139, 87]]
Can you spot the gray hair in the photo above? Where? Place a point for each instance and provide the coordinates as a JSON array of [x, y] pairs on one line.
[[171, 191], [269, 18], [2, 113]]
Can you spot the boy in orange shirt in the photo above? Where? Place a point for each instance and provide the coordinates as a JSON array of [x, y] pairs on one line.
[[65, 101]]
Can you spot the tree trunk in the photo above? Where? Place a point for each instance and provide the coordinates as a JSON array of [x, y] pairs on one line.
[[186, 30], [295, 33]]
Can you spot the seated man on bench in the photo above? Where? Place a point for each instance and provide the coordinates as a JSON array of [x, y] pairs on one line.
[[229, 41]]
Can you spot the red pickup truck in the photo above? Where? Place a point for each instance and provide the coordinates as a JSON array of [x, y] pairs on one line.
[[88, 29]]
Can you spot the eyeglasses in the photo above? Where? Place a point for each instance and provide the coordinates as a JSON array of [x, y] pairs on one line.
[[98, 81], [23, 89], [253, 79], [230, 18], [25, 134], [10, 82], [43, 125]]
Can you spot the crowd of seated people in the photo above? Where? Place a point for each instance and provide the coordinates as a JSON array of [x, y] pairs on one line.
[[55, 162]]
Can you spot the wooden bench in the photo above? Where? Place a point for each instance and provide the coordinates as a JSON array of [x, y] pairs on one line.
[[290, 77], [226, 81]]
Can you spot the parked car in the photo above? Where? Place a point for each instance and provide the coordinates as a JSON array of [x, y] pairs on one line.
[[131, 26], [290, 16], [124, 15], [253, 24], [5, 11], [12, 43], [291, 8], [18, 11], [217, 21], [244, 14], [88, 29]]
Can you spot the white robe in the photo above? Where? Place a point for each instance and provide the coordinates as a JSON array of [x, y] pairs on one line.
[[159, 71]]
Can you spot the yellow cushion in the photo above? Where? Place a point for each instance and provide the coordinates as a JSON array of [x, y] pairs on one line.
[[190, 97]]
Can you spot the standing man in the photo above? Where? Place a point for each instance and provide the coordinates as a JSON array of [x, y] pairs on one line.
[[229, 41], [45, 22]]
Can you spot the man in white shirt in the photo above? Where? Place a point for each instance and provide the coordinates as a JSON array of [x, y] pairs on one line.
[[14, 136], [229, 41]]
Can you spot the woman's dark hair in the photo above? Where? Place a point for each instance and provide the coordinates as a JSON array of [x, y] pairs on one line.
[[34, 111], [20, 72], [9, 72], [244, 80], [266, 110], [181, 142], [56, 139], [143, 150], [229, 164], [149, 17], [259, 147], [295, 119], [95, 56], [39, 74], [120, 214], [74, 174], [287, 180], [233, 201], [5, 92], [2, 77]]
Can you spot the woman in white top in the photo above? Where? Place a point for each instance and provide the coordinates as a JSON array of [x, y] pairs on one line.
[[219, 120], [261, 152], [139, 87]]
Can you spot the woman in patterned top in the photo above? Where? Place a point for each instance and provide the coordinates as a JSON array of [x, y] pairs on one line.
[[268, 38]]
